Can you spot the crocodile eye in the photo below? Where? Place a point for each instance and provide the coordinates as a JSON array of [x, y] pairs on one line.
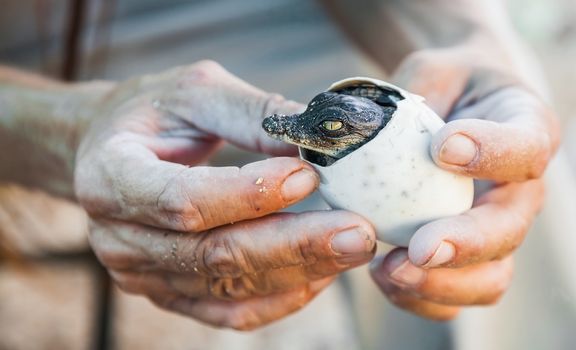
[[332, 125]]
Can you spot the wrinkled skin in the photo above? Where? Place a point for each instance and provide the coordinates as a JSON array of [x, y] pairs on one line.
[[201, 241], [498, 131], [165, 226], [464, 57], [198, 240]]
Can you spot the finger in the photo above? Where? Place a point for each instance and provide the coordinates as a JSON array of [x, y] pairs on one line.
[[143, 283], [423, 308], [492, 229], [218, 102], [514, 143], [247, 314], [136, 186], [195, 285], [479, 284], [250, 247], [262, 283]]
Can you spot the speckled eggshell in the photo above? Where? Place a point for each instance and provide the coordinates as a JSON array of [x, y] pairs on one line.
[[392, 180]]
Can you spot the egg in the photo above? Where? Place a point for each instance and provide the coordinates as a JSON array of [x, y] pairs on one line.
[[392, 180]]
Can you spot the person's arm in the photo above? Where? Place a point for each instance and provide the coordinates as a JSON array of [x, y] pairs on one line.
[[41, 124], [390, 30], [463, 56]]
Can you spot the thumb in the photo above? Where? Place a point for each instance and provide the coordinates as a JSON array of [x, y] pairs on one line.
[[433, 75], [489, 150]]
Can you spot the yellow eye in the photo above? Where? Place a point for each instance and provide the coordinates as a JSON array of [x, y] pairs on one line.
[[332, 125]]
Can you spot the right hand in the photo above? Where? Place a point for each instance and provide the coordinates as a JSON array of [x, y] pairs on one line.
[[203, 241], [498, 130]]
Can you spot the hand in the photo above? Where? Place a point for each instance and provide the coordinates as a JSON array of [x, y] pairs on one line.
[[198, 240], [497, 130]]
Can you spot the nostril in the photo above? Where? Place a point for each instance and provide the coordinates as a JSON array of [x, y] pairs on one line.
[[267, 124], [272, 125]]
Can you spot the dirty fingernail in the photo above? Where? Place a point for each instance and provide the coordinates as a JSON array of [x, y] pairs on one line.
[[407, 275], [299, 184], [458, 149], [351, 242], [443, 254]]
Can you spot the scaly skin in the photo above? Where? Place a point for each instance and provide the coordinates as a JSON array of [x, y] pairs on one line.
[[332, 126]]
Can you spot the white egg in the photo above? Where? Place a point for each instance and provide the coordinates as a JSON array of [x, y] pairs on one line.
[[391, 180]]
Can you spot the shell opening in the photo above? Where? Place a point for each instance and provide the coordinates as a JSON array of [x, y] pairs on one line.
[[387, 97]]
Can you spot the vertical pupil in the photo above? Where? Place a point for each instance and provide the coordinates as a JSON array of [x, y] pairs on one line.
[[332, 125]]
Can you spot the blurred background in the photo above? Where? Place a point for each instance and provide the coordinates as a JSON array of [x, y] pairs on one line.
[[54, 296]]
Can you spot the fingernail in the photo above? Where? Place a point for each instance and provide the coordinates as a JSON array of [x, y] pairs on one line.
[[458, 149], [352, 242], [299, 184], [407, 274], [443, 254]]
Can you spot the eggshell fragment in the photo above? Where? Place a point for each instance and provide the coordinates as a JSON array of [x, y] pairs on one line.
[[392, 180]]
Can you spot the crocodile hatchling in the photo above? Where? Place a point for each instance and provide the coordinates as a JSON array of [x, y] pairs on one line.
[[370, 143], [336, 123]]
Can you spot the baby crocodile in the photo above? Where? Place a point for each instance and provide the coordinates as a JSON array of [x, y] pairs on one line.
[[335, 123]]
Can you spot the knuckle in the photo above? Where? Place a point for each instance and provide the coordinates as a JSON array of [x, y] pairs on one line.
[[115, 253], [117, 259], [219, 256], [110, 259], [176, 204], [305, 250], [318, 271], [110, 253], [271, 103], [495, 294], [125, 284], [331, 267], [166, 302], [100, 178], [513, 237], [302, 297], [203, 72], [474, 247], [94, 202], [231, 288], [93, 199], [540, 161], [208, 66], [503, 278]]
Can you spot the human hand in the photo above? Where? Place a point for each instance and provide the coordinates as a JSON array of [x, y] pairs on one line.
[[497, 130], [198, 240]]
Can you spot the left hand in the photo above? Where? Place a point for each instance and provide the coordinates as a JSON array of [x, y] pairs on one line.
[[203, 241], [497, 130]]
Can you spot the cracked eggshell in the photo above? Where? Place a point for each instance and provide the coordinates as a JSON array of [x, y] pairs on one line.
[[392, 180]]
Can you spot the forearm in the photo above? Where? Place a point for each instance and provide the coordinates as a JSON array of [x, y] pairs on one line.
[[41, 122], [390, 30]]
